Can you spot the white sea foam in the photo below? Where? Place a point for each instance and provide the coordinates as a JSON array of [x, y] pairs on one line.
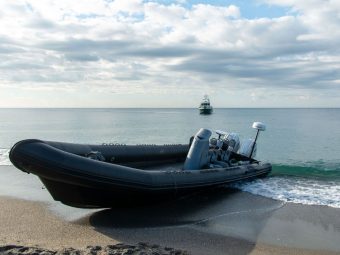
[[4, 157], [295, 190]]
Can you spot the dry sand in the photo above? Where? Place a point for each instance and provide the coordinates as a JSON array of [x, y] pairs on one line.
[[32, 229], [220, 222]]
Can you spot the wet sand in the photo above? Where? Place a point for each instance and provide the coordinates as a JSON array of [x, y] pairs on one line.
[[223, 221]]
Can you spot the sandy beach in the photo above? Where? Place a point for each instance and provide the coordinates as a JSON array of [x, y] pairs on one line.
[[224, 221]]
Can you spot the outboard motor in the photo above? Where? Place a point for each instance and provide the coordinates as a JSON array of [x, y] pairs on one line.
[[198, 155], [221, 142], [233, 141]]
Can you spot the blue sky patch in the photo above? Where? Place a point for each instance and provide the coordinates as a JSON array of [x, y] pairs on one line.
[[249, 9]]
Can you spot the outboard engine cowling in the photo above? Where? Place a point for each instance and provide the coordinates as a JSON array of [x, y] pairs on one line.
[[198, 155], [233, 141]]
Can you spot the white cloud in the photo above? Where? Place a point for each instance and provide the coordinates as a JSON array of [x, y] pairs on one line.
[[136, 47]]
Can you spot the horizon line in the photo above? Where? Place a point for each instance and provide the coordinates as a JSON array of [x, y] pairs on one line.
[[289, 107]]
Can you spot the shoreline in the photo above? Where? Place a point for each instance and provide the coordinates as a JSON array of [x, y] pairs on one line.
[[223, 221], [34, 227]]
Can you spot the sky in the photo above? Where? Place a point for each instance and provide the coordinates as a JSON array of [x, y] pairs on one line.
[[134, 53]]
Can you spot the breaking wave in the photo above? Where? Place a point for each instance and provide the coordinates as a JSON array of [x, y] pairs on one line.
[[312, 183], [4, 157]]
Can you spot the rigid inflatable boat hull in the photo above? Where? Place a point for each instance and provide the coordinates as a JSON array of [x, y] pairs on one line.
[[78, 181]]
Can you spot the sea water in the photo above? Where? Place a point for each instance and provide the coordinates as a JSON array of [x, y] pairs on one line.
[[303, 145]]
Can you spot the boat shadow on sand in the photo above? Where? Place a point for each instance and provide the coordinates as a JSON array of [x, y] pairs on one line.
[[205, 223], [187, 210]]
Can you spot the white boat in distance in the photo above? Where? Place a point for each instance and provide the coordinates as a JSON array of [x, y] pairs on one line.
[[205, 107]]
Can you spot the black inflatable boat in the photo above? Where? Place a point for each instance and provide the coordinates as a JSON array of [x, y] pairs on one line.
[[94, 176]]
